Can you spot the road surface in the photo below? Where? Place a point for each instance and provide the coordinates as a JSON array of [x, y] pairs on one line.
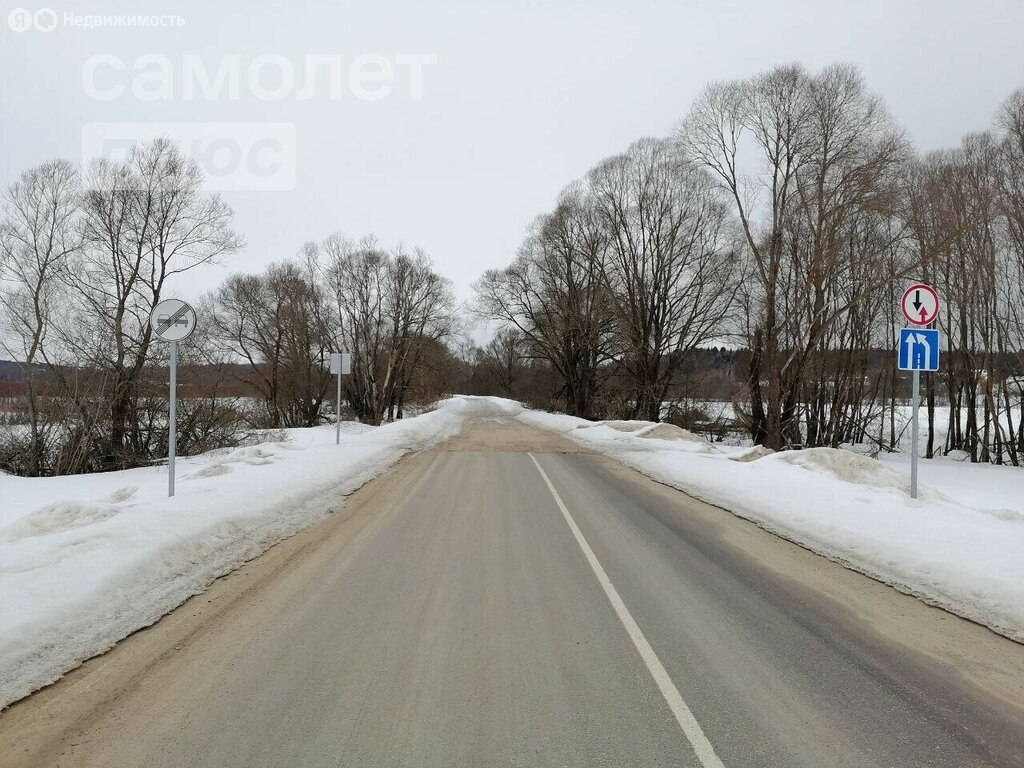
[[509, 600]]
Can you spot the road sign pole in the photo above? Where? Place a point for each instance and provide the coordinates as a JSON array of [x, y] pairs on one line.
[[337, 413], [172, 320], [172, 427], [916, 395], [920, 307]]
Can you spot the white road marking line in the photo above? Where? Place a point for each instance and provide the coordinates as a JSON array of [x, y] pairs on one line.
[[691, 728]]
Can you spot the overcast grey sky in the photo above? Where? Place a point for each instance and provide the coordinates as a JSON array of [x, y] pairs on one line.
[[523, 97]]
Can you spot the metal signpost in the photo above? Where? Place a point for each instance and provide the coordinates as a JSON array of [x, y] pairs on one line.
[[172, 321], [918, 351], [341, 364]]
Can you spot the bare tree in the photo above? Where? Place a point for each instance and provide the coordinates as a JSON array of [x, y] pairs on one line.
[[144, 221], [38, 238], [1010, 123], [279, 323], [357, 275], [766, 116], [556, 295], [505, 359], [672, 273], [420, 306], [389, 308], [804, 159]]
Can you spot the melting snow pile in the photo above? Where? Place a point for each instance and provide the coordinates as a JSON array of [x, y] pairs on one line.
[[755, 453], [624, 426], [672, 432], [846, 466]]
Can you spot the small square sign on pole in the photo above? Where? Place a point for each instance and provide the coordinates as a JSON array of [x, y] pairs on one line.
[[341, 365]]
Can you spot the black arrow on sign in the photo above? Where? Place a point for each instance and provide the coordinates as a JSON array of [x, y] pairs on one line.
[[917, 299]]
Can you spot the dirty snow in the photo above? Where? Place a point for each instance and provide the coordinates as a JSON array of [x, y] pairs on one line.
[[753, 454]]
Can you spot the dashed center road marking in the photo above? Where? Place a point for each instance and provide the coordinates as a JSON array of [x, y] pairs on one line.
[[691, 728]]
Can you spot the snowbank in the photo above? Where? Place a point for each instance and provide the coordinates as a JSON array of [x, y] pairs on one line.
[[85, 560], [960, 545]]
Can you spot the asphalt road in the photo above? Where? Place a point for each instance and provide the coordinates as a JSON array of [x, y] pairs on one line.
[[507, 600]]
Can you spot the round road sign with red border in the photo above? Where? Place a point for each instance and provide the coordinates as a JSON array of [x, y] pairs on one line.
[[920, 304]]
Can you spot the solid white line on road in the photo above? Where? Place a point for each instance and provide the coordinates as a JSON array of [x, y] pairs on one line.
[[694, 733]]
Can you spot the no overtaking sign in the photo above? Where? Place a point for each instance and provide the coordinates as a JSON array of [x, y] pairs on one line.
[[173, 320]]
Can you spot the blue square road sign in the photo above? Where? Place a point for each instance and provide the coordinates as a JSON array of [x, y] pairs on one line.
[[919, 349]]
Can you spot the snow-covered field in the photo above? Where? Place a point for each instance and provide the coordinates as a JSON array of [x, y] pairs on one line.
[[960, 545], [87, 559]]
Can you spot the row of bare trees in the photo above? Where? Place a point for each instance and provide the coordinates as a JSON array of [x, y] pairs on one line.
[[389, 308], [784, 216], [85, 256], [635, 267], [837, 213], [969, 220], [782, 219], [811, 165]]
